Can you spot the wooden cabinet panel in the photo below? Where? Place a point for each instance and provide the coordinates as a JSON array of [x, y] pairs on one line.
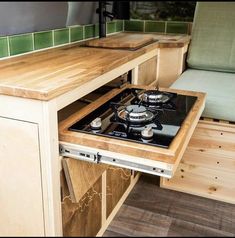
[[118, 180], [83, 218], [148, 71], [20, 183], [208, 164]]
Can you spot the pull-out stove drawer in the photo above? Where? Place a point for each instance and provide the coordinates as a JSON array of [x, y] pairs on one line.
[[144, 157]]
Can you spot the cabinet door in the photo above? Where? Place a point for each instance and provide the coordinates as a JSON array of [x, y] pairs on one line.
[[148, 72], [20, 184]]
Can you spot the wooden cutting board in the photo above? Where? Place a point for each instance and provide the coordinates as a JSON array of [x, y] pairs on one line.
[[122, 40]]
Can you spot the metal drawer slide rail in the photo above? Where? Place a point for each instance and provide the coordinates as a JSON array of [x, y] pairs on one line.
[[68, 150]]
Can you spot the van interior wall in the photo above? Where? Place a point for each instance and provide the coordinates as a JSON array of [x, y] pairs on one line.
[[25, 17]]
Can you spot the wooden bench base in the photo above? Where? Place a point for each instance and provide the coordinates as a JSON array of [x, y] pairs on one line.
[[207, 168]]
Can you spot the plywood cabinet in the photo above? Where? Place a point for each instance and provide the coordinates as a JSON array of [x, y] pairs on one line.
[[20, 200], [118, 180], [148, 71], [103, 194]]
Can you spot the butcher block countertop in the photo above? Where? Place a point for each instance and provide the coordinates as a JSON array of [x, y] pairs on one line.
[[47, 74]]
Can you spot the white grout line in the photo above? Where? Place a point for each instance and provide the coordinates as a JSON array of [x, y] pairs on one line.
[[53, 37], [8, 46], [33, 41], [69, 35]]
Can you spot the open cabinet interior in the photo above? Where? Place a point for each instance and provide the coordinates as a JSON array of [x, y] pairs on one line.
[[92, 193]]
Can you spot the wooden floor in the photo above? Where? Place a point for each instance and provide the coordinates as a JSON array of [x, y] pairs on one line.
[[153, 211]]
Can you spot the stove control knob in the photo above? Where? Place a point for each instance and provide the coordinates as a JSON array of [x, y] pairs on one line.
[[147, 133], [96, 124]]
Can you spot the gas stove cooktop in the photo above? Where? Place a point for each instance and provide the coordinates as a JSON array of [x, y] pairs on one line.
[[150, 117]]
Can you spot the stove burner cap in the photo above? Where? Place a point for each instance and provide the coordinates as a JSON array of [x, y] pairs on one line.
[[155, 96], [136, 114]]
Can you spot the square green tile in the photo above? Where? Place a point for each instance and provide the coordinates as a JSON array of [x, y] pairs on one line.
[[20, 44], [91, 31], [119, 25], [177, 27], [61, 36], [155, 26], [3, 47], [43, 40], [111, 27], [76, 33], [97, 30], [134, 25]]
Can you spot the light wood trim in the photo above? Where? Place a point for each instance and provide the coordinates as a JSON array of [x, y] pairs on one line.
[[104, 197], [50, 168]]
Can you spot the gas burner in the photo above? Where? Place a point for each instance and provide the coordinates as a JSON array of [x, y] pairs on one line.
[[155, 97], [135, 114]]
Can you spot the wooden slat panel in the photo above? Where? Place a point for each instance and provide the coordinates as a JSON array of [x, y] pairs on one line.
[[203, 186], [208, 165], [208, 160], [216, 177]]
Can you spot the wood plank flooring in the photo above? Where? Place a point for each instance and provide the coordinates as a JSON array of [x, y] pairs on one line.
[[153, 211]]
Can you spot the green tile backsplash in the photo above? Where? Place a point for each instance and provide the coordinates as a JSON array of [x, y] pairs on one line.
[[3, 47], [134, 25], [177, 27], [61, 36], [111, 27], [76, 33], [43, 40], [119, 25], [20, 44], [155, 26], [90, 31]]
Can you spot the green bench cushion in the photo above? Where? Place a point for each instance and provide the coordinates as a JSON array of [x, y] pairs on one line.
[[213, 37], [220, 89]]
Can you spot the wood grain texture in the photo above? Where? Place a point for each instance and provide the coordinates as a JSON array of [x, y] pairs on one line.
[[172, 155], [47, 74], [83, 218], [21, 195], [187, 215], [81, 176], [148, 71], [118, 180], [208, 164], [122, 40], [132, 221]]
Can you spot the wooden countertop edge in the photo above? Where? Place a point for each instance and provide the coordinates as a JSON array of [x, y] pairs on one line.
[[46, 95]]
